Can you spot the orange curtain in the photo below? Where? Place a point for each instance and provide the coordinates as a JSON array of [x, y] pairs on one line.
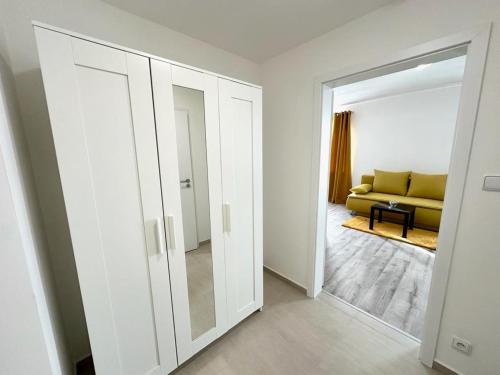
[[340, 159]]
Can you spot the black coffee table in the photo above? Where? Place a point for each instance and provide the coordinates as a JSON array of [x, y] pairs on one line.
[[407, 211]]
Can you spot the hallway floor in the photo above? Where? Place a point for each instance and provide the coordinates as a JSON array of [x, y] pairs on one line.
[[296, 335]]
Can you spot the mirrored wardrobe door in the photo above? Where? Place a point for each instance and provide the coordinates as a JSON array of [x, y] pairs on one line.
[[186, 106], [193, 183]]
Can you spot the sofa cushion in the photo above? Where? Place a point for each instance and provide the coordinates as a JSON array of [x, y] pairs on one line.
[[367, 179], [361, 189], [391, 182], [427, 186], [413, 201]]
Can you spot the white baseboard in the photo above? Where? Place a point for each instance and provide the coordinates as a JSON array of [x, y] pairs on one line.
[[444, 369], [286, 279]]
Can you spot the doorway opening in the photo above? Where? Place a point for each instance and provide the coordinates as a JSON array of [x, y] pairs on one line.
[[391, 144], [473, 44]]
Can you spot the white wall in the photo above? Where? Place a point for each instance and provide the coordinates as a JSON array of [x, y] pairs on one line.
[[412, 131], [31, 338], [23, 345], [192, 101], [473, 301], [97, 19]]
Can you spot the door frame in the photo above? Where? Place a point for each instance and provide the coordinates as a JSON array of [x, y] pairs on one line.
[[476, 40]]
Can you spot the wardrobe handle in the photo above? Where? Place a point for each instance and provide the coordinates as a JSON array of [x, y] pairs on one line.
[[226, 216], [170, 229], [158, 235]]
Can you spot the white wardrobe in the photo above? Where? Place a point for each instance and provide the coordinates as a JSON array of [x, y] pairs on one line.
[[161, 171]]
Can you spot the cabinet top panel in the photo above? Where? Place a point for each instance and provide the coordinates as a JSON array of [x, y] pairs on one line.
[[131, 50]]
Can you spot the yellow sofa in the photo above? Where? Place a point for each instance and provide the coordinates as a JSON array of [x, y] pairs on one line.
[[427, 212]]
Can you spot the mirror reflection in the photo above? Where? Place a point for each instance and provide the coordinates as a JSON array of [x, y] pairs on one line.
[[193, 180]]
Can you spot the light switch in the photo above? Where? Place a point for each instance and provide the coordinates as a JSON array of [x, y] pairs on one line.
[[491, 183]]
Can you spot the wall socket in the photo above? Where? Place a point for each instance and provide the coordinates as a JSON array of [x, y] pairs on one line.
[[461, 344]]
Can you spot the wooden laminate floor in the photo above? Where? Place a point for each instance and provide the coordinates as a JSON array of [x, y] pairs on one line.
[[295, 335], [386, 278]]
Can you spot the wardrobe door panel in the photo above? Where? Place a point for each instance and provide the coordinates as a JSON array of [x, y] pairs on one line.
[[101, 112], [240, 128], [186, 105]]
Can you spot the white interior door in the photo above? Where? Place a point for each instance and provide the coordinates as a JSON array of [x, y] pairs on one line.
[[101, 112], [241, 145], [198, 276], [186, 179]]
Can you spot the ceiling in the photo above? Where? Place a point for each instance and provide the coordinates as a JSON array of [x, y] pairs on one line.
[[255, 29], [425, 76]]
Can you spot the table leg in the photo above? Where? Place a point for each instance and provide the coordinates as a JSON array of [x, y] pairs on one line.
[[379, 216], [372, 217], [405, 225], [412, 220]]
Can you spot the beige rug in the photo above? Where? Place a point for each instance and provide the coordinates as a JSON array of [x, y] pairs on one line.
[[416, 236]]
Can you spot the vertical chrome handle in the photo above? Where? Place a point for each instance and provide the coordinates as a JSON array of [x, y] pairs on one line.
[[226, 217], [170, 231], [159, 236]]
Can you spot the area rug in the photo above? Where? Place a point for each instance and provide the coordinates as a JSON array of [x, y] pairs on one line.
[[418, 237]]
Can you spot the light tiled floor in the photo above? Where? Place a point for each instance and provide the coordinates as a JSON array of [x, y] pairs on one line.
[[295, 335], [200, 289]]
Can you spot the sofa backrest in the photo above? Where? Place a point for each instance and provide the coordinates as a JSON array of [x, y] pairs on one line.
[[368, 179]]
